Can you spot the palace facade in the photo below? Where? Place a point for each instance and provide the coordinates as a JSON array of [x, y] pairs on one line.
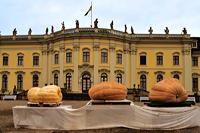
[[76, 59]]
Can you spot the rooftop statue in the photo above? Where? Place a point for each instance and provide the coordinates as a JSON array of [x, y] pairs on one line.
[[63, 25], [47, 30], [166, 30], [77, 24], [132, 31], [96, 23], [184, 31], [15, 32], [111, 25], [52, 29], [125, 28], [150, 30], [29, 32]]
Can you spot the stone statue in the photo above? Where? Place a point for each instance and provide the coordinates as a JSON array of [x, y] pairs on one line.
[[125, 28], [29, 32], [15, 32], [132, 31], [111, 25], [96, 23], [77, 24], [63, 25], [52, 29], [150, 30], [47, 30], [184, 31], [166, 30]]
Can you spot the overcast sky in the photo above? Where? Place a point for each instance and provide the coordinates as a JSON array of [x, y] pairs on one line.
[[141, 14]]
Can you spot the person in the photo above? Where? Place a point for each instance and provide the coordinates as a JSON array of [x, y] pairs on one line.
[[111, 25], [96, 23]]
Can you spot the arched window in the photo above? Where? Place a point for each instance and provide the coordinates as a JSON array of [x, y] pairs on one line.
[[176, 76], [86, 81], [35, 80], [104, 56], [119, 78], [55, 79], [143, 81], [159, 77], [4, 82], [19, 81], [68, 56], [86, 55], [104, 77], [56, 58], [68, 80]]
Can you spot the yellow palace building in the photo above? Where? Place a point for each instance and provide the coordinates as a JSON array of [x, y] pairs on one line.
[[76, 59]]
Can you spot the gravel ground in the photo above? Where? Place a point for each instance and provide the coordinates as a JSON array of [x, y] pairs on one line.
[[7, 126]]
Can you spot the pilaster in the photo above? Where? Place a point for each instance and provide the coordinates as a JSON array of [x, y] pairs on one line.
[[187, 62], [133, 65], [112, 60], [96, 61], [127, 65], [44, 67], [61, 62]]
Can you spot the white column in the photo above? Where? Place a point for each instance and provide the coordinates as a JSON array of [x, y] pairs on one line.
[[187, 62], [133, 65], [76, 62], [127, 65], [44, 67], [96, 61], [61, 60]]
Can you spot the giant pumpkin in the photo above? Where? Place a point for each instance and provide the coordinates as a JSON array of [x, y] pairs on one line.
[[168, 90], [108, 91], [47, 94]]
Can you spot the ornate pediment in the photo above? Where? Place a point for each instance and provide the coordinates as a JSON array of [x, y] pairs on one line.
[[159, 72], [19, 72]]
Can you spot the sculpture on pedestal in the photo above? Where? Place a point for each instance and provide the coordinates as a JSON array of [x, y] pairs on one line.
[[63, 25], [52, 29], [150, 30], [184, 31], [77, 24], [96, 23], [125, 28], [166, 30], [15, 32], [47, 30], [29, 32], [132, 31], [111, 25]]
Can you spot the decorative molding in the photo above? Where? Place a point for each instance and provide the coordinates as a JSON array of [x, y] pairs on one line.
[[55, 71], [159, 72], [85, 65], [103, 70], [143, 72], [119, 71], [20, 72], [68, 71], [176, 72], [35, 72], [4, 72], [195, 75]]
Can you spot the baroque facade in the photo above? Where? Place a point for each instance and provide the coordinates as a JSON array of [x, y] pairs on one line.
[[76, 59]]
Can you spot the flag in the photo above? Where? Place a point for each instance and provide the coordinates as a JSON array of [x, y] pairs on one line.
[[90, 9]]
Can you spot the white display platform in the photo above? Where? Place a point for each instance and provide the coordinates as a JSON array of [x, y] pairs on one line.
[[105, 116]]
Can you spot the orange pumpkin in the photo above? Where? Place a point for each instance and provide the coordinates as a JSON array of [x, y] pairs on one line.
[[168, 90], [108, 91]]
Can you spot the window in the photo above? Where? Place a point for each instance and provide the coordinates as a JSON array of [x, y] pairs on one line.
[[69, 56], [159, 78], [86, 82], [142, 60], [56, 58], [55, 79], [5, 60], [68, 81], [4, 82], [119, 78], [104, 77], [159, 60], [119, 58], [35, 80], [86, 55], [176, 76], [19, 82], [35, 60], [143, 82], [195, 84], [175, 60], [194, 61], [20, 60], [104, 56]]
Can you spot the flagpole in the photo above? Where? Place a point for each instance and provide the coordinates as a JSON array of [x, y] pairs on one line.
[[91, 14]]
